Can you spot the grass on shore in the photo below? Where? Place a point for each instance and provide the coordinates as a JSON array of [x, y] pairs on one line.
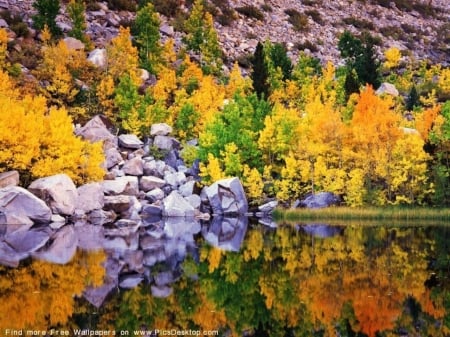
[[381, 214]]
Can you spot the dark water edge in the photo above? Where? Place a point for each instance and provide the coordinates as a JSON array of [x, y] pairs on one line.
[[239, 278]]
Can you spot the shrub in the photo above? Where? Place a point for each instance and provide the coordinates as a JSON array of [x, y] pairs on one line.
[[394, 32], [227, 17], [266, 7], [47, 10], [40, 141], [123, 5], [298, 20], [16, 23], [169, 8], [251, 12], [359, 23], [306, 45], [315, 15]]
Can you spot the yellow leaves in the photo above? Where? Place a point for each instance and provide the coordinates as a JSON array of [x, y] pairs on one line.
[[212, 171], [236, 83], [43, 143], [213, 255], [425, 120], [3, 48], [354, 195], [444, 81], [123, 57], [253, 183], [253, 245], [393, 57], [165, 86], [40, 294]]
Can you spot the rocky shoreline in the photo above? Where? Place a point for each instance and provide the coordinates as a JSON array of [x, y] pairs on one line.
[[146, 211]]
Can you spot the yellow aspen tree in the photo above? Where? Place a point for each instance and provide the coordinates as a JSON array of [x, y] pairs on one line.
[[393, 57], [212, 171], [253, 183], [123, 57], [236, 82], [374, 131], [3, 48]]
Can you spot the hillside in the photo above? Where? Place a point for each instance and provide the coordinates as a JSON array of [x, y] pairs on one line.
[[420, 29]]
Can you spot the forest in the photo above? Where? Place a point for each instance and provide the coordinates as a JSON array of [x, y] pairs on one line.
[[286, 130]]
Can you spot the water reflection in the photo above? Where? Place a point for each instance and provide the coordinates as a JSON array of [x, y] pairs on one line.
[[242, 279]]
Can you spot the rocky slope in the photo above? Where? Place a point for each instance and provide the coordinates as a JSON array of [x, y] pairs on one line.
[[422, 30]]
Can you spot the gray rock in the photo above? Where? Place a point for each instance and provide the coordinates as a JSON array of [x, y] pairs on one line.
[[127, 185], [11, 220], [387, 88], [90, 197], [149, 242], [321, 230], [161, 291], [155, 194], [320, 200], [160, 129], [90, 237], [155, 168], [175, 179], [148, 183], [177, 227], [134, 259], [166, 29], [18, 201], [152, 210], [194, 200], [28, 241], [226, 196], [133, 167], [226, 233], [113, 157], [96, 130], [57, 221], [117, 203], [130, 142], [98, 57], [268, 207], [101, 217], [97, 295], [62, 249], [174, 205], [164, 278], [73, 44], [130, 281], [165, 143], [187, 189], [58, 191], [9, 257], [10, 178]]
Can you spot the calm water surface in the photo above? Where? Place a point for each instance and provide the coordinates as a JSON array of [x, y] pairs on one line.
[[233, 278]]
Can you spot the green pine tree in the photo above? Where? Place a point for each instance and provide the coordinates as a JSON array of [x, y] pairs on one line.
[[146, 31]]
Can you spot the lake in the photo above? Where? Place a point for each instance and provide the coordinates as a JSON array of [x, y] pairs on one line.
[[232, 277]]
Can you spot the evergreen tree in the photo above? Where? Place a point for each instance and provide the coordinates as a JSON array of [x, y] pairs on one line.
[[202, 38], [260, 74], [146, 31], [76, 10], [413, 99], [279, 58], [359, 54], [47, 10]]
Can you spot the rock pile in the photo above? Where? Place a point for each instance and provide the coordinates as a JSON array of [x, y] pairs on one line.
[[146, 211], [419, 34]]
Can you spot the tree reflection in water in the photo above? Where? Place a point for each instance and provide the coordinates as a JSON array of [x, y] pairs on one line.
[[291, 281]]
